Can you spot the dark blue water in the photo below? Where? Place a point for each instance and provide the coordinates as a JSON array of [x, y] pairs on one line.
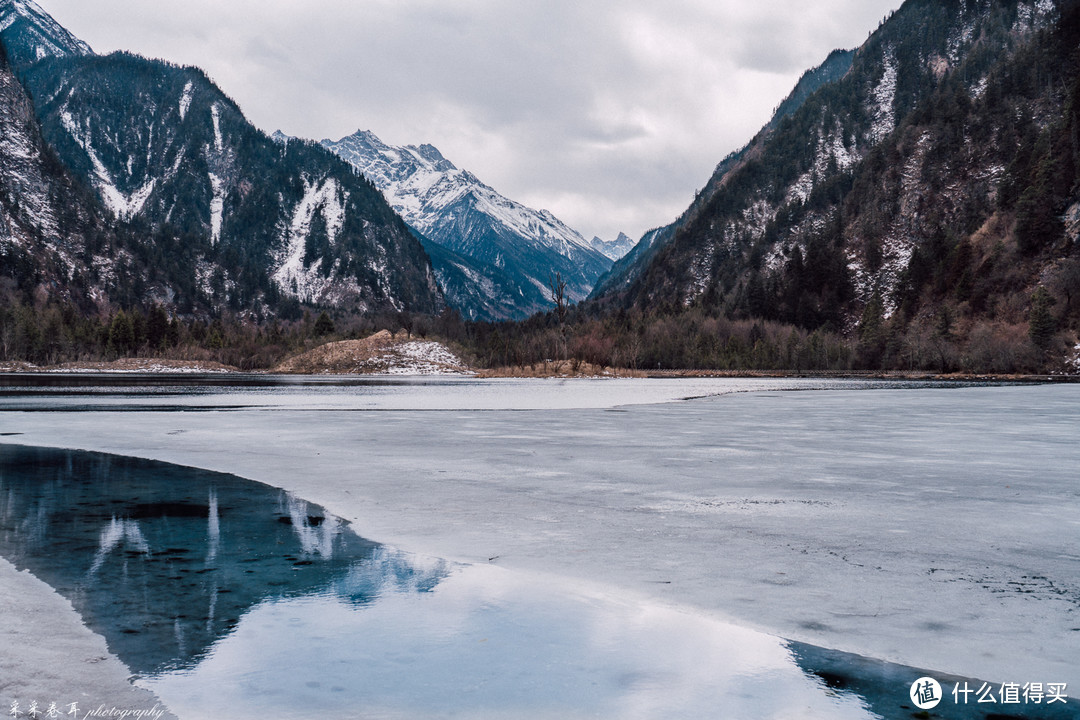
[[164, 560]]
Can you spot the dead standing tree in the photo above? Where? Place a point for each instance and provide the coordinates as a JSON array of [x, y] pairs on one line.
[[558, 296]]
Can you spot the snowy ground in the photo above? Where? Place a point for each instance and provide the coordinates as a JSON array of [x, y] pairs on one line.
[[421, 357], [932, 527]]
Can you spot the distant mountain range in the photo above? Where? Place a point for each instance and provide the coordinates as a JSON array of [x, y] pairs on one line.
[[613, 249], [493, 244], [230, 220]]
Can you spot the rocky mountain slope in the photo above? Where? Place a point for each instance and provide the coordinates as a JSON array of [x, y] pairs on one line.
[[919, 199], [56, 241], [513, 248], [231, 219]]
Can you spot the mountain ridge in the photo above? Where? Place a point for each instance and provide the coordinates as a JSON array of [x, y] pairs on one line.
[[31, 34], [628, 266]]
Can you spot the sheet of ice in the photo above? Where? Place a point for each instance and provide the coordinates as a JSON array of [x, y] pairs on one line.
[[932, 527]]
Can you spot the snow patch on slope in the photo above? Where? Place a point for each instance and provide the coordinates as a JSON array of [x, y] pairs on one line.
[[1034, 15], [185, 99], [215, 114], [884, 96], [122, 206], [21, 160], [217, 208], [420, 357], [291, 275], [830, 150]]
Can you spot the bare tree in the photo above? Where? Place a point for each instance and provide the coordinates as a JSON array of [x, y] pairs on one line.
[[558, 295]]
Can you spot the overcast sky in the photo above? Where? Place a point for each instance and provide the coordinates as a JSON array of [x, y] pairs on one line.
[[608, 113]]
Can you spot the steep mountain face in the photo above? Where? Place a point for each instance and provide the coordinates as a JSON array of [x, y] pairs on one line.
[[232, 219], [55, 239], [933, 186], [478, 290], [453, 209], [30, 34]]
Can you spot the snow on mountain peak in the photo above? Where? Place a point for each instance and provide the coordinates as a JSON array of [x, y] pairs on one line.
[[420, 183], [614, 249], [39, 34]]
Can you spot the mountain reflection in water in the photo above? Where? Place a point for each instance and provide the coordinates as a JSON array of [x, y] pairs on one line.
[[164, 560]]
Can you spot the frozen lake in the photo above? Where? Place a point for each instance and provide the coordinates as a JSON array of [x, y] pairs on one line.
[[933, 527]]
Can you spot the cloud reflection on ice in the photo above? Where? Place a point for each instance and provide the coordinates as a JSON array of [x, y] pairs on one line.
[[488, 643]]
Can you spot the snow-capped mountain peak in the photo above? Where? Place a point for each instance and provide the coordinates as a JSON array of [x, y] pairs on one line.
[[452, 208], [30, 34], [614, 249], [421, 183]]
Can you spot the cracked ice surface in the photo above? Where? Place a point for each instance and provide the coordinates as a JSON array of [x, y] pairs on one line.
[[934, 527]]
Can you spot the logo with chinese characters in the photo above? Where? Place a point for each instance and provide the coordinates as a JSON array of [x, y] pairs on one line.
[[926, 693]]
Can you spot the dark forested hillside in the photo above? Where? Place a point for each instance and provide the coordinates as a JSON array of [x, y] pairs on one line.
[[227, 219], [629, 266], [924, 204], [238, 220], [913, 204], [55, 238]]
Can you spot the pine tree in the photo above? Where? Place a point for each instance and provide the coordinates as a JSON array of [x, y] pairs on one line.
[[1041, 322], [324, 325]]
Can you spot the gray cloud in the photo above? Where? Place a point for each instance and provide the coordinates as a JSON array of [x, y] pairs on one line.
[[610, 114]]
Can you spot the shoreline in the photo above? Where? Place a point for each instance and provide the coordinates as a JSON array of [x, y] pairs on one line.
[[154, 367]]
